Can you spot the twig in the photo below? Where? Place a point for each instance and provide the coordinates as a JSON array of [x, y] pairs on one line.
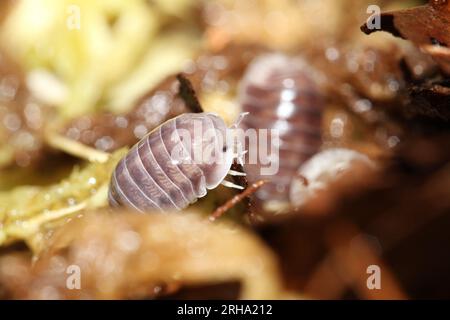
[[75, 148], [236, 199], [187, 93]]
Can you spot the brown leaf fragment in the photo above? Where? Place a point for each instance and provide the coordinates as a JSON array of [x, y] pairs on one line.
[[426, 26], [431, 100]]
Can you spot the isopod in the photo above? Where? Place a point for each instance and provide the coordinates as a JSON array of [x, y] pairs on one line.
[[174, 165], [279, 92], [320, 171]]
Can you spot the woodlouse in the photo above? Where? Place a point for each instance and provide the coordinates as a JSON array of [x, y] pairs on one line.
[[324, 168], [279, 92], [174, 165]]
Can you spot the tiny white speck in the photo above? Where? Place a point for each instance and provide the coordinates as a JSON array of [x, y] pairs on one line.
[[121, 122], [393, 85], [104, 143], [418, 70], [332, 54], [363, 105], [288, 83], [140, 131], [12, 122], [393, 141]]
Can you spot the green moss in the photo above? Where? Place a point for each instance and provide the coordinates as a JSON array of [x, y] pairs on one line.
[[24, 210]]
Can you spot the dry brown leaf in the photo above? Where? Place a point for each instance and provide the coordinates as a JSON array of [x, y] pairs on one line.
[[427, 26]]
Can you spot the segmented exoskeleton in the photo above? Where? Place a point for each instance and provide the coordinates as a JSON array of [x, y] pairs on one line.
[[278, 92], [174, 165]]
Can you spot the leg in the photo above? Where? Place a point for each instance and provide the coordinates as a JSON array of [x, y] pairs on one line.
[[231, 185], [236, 173], [237, 198]]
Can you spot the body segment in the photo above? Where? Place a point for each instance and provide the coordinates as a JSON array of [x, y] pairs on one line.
[[173, 165], [278, 93]]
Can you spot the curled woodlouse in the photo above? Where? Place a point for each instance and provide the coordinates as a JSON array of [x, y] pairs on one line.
[[174, 165], [279, 92], [320, 171]]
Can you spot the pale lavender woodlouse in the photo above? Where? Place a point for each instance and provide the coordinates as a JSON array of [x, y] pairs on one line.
[[280, 92], [161, 172]]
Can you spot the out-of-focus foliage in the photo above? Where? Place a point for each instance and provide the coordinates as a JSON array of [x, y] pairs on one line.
[[21, 116], [167, 55], [222, 104], [91, 45], [287, 24], [129, 255], [24, 210]]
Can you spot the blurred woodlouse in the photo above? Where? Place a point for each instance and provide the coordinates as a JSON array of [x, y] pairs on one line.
[[279, 92], [324, 168], [164, 170]]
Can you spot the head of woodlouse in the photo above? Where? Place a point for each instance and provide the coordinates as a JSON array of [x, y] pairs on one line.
[[209, 143], [280, 94]]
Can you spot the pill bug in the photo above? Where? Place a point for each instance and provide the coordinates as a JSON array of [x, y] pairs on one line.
[[278, 92], [324, 168], [174, 165]]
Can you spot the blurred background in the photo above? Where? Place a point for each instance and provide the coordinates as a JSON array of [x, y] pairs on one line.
[[81, 81]]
